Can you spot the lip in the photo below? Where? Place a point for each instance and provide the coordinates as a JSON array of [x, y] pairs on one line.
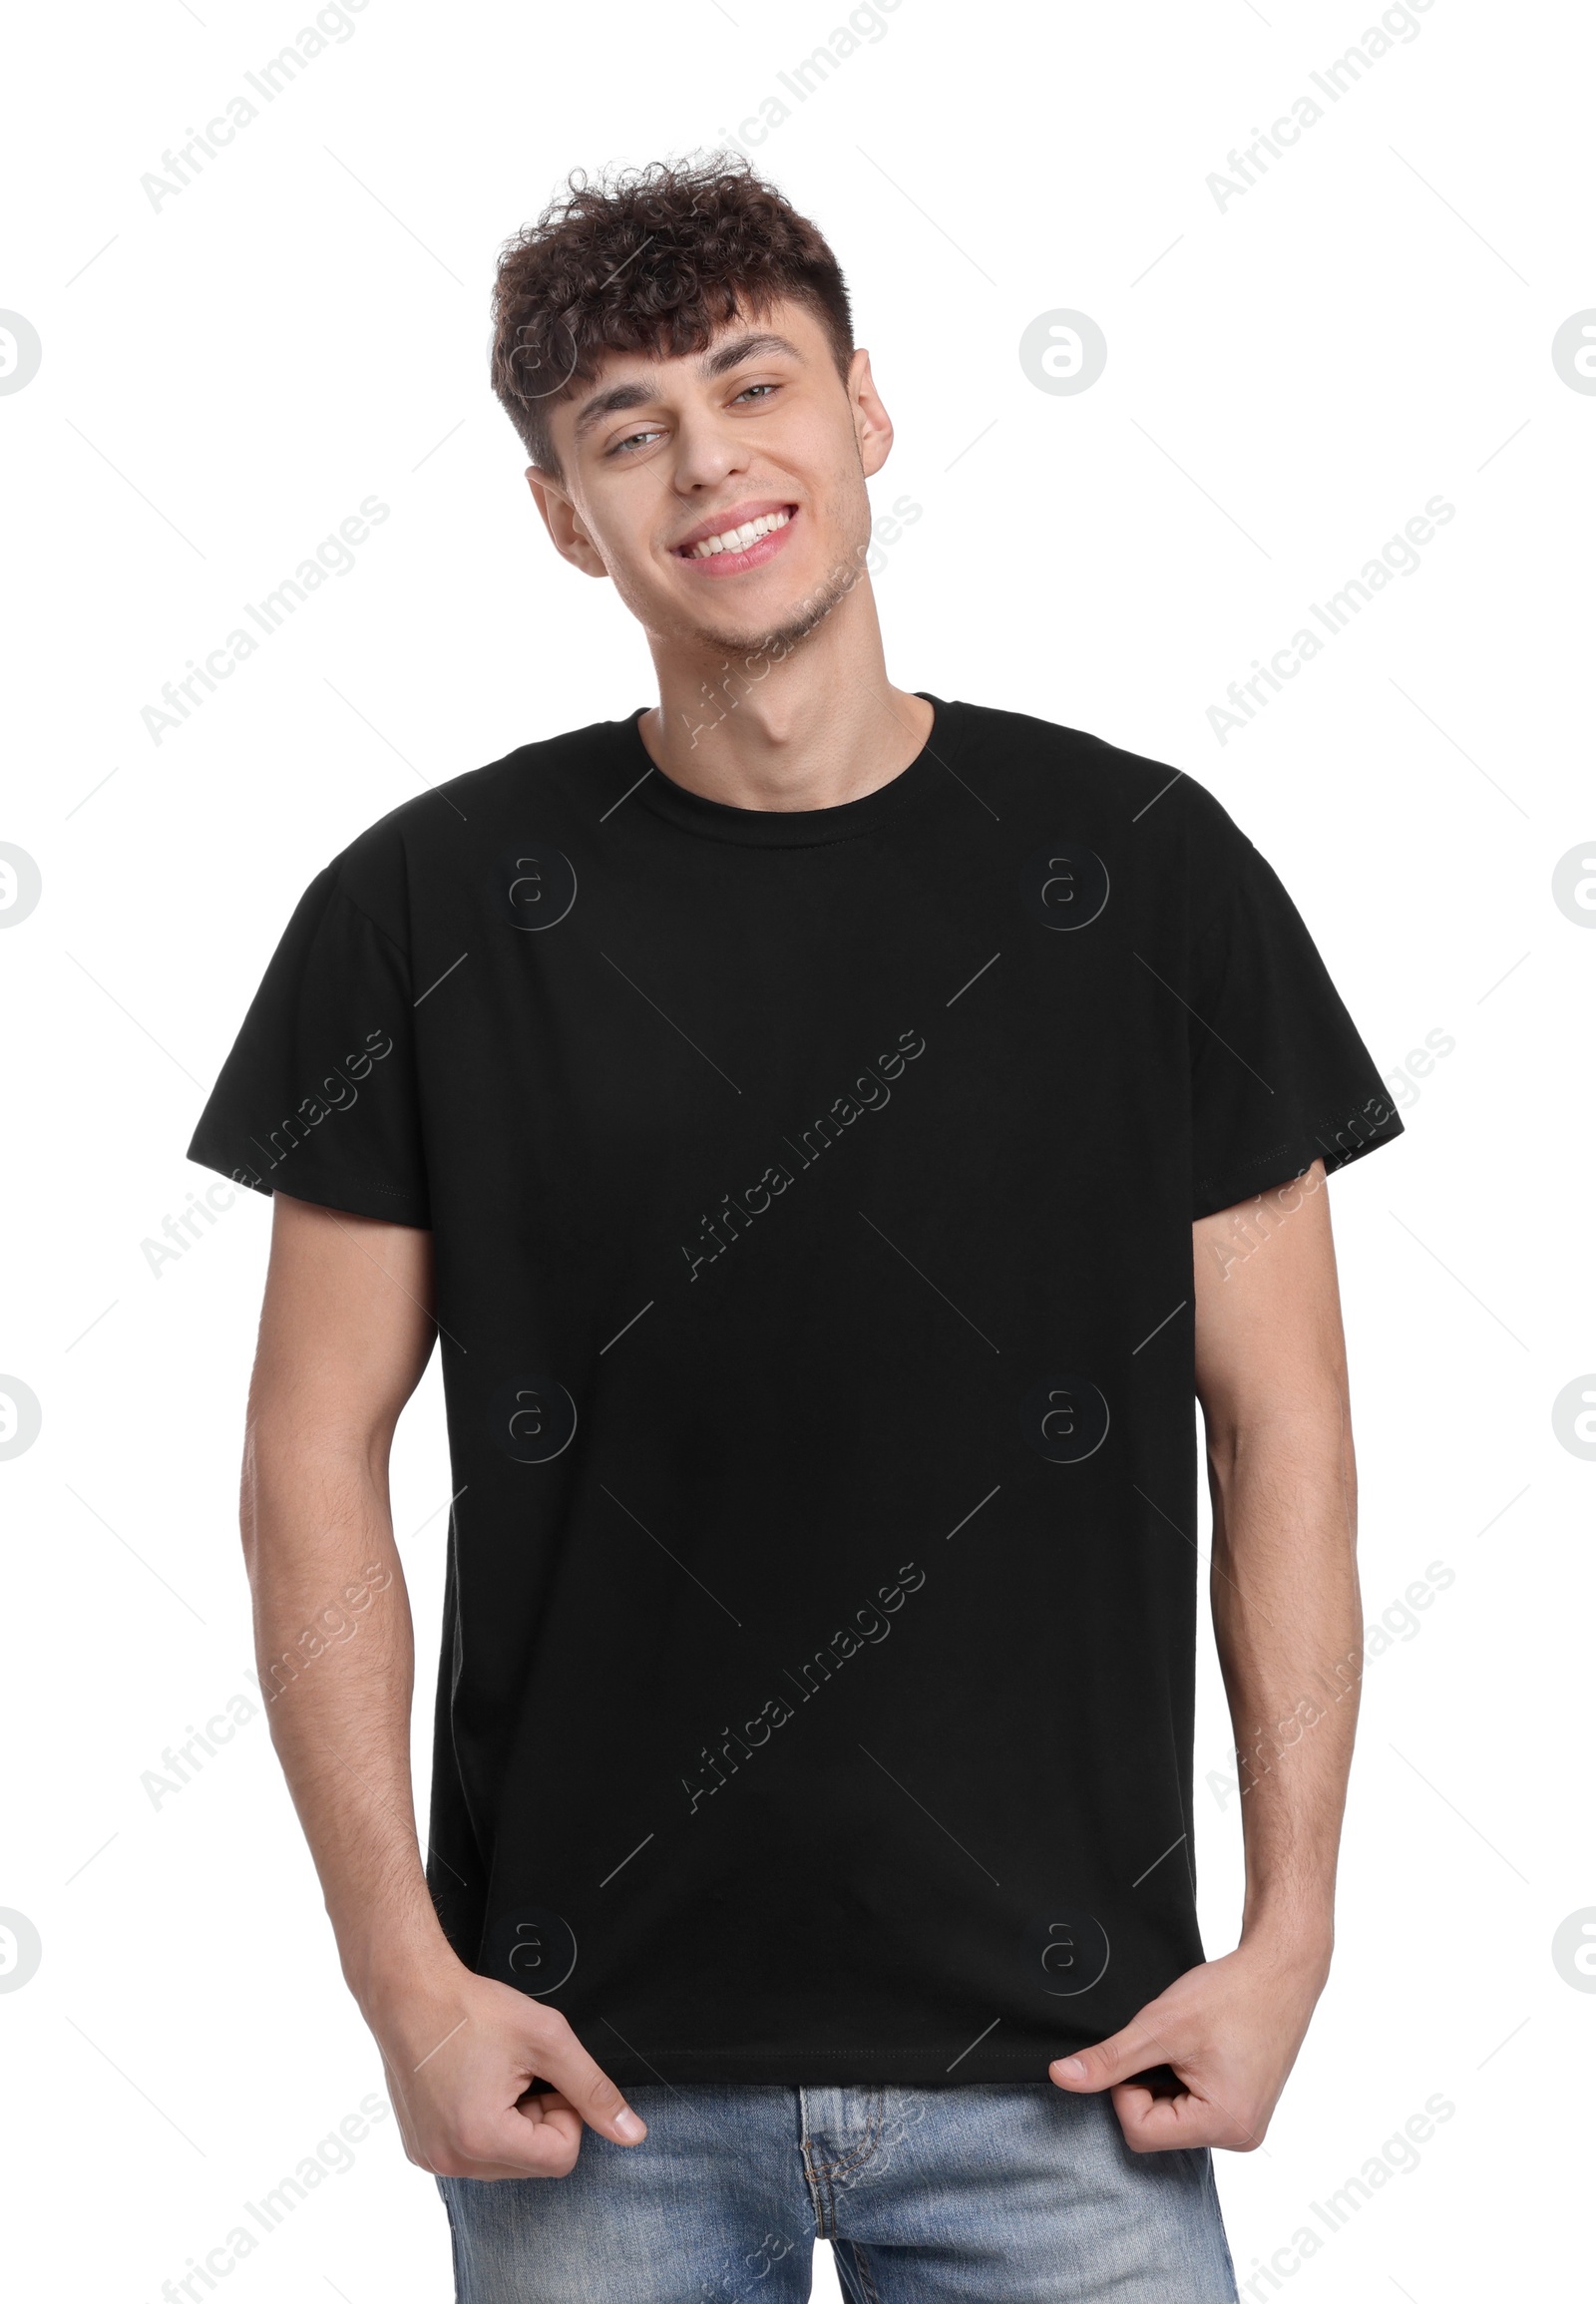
[[725, 563]]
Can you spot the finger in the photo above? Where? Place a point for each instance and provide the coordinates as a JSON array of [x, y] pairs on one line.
[[524, 2140], [563, 2120], [1112, 2060], [586, 2087], [1151, 2124], [1186, 2123]]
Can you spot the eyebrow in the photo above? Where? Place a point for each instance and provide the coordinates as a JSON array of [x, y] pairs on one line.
[[724, 357]]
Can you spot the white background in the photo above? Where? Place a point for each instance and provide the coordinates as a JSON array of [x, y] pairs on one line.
[[1290, 378]]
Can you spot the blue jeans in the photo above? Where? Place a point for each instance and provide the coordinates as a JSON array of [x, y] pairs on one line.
[[1008, 2194]]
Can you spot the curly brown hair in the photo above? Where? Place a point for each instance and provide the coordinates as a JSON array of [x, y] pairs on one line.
[[648, 259]]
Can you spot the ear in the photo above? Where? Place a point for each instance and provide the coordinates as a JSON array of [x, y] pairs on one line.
[[872, 424], [563, 523]]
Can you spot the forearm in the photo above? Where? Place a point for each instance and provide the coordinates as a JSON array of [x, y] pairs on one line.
[[336, 1662], [1287, 1619], [1285, 1603], [345, 1334], [1271, 1372]]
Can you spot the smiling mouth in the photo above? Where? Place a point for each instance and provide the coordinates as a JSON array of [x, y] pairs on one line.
[[748, 544]]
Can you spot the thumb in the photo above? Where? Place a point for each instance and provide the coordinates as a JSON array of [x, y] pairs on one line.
[[1120, 2058]]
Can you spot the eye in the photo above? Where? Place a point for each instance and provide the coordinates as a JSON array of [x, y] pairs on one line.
[[624, 447], [751, 388]]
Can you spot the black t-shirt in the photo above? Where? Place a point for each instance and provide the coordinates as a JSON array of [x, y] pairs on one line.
[[812, 1197]]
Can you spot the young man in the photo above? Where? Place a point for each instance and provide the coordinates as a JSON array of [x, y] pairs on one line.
[[832, 1133]]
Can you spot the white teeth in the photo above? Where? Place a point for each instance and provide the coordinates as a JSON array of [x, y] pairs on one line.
[[740, 539]]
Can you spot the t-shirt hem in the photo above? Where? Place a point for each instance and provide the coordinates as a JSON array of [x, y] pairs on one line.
[[798, 2067]]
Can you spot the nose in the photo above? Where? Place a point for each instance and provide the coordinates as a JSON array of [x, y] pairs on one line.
[[708, 452]]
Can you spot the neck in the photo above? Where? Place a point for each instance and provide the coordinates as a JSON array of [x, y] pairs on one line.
[[814, 727]]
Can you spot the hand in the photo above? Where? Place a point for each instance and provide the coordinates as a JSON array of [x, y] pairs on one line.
[[1231, 2030], [460, 2051]]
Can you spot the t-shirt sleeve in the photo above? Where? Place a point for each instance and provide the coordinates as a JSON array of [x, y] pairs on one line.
[[318, 1097], [1280, 1076]]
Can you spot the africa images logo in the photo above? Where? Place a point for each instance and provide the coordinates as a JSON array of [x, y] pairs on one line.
[[533, 1418], [538, 885], [1065, 1419], [532, 1948], [1066, 1952]]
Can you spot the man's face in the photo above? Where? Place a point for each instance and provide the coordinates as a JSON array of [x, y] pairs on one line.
[[670, 466]]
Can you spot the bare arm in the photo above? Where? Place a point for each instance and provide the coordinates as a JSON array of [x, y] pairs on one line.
[[1272, 1378], [345, 1332]]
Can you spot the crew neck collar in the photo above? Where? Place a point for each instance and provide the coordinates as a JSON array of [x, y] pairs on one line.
[[797, 827]]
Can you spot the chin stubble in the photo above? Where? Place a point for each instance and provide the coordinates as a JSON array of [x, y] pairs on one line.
[[810, 614]]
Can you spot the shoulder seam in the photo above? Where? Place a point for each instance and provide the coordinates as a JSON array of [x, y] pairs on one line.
[[339, 889]]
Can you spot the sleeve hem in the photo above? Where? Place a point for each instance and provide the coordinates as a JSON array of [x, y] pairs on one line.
[[1337, 1143], [355, 1196]]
